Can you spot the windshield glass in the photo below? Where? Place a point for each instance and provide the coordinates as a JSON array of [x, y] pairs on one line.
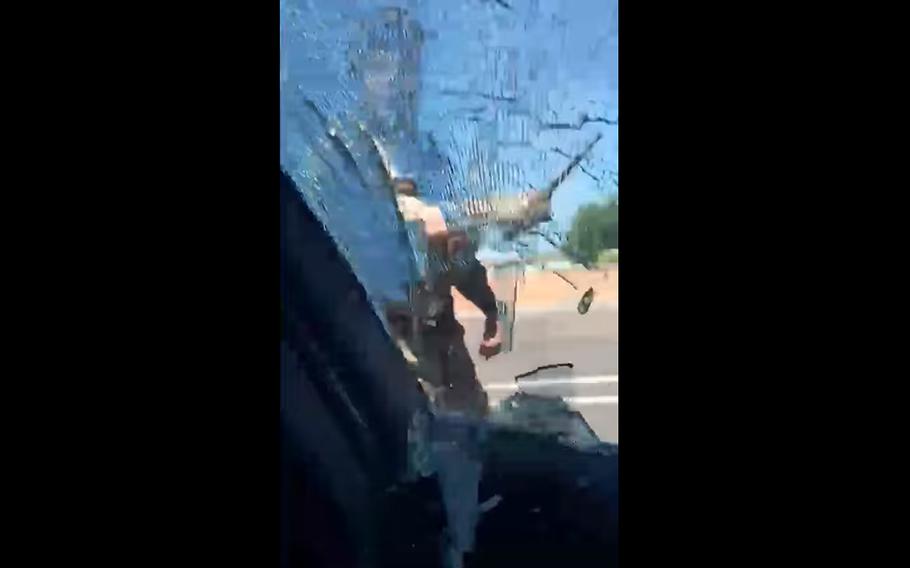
[[464, 156]]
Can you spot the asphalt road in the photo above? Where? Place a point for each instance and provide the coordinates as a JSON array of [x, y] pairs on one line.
[[590, 342]]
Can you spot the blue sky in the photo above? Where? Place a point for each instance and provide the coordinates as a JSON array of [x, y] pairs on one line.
[[566, 64], [554, 59]]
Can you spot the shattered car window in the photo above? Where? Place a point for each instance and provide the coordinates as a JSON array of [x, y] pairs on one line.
[[491, 126], [463, 156]]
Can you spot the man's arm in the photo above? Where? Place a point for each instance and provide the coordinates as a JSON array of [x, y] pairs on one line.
[[474, 286]]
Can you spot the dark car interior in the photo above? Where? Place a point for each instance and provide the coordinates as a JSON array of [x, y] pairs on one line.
[[347, 401]]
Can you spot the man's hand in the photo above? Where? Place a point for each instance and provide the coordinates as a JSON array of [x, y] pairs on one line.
[[492, 340]]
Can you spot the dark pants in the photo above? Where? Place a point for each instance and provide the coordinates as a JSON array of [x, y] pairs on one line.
[[444, 362]]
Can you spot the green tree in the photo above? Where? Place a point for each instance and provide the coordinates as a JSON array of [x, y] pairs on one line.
[[594, 229]]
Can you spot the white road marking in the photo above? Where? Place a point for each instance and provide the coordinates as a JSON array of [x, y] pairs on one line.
[[576, 400], [532, 383], [580, 400]]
